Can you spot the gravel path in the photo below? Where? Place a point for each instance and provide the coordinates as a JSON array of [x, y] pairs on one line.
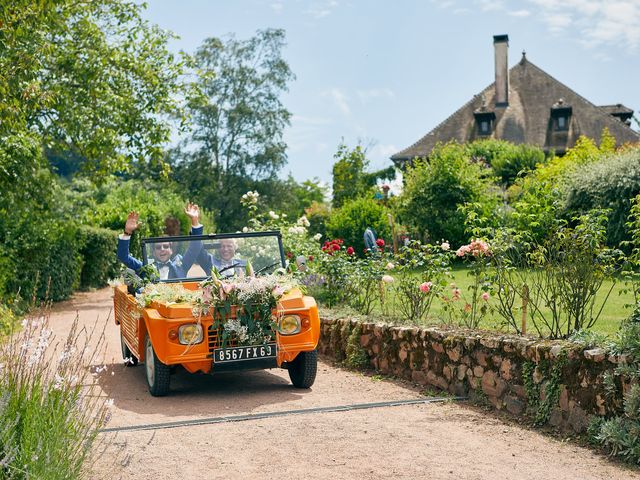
[[431, 441]]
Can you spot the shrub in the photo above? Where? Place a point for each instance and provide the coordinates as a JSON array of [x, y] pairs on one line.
[[46, 260], [351, 220], [99, 262], [610, 183], [51, 410], [506, 159], [434, 190]]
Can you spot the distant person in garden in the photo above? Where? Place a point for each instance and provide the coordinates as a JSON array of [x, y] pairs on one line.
[[370, 241], [225, 262], [168, 265]]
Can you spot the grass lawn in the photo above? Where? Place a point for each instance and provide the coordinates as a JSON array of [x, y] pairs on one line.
[[613, 312]]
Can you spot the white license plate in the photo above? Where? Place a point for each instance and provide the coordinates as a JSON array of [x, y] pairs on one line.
[[239, 354]]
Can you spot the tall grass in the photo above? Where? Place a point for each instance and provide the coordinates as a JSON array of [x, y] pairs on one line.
[[50, 407]]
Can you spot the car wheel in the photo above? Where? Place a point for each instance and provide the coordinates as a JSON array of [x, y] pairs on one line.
[[130, 360], [158, 374], [302, 371]]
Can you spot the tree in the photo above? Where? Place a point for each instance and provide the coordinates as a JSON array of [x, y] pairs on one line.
[[238, 118], [350, 178], [90, 77]]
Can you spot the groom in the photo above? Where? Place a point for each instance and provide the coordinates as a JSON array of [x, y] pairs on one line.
[[168, 265]]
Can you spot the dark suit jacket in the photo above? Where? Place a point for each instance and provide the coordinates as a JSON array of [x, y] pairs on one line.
[[178, 265]]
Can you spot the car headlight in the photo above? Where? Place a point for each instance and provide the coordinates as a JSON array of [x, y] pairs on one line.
[[289, 325], [190, 334]]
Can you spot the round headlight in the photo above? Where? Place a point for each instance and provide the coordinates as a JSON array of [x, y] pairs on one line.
[[190, 334], [289, 324]]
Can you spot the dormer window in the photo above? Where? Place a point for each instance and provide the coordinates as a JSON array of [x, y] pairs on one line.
[[484, 122], [560, 116]]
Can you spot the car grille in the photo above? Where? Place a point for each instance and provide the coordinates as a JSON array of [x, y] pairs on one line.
[[214, 338]]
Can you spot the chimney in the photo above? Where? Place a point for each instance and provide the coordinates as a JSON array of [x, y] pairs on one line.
[[501, 49]]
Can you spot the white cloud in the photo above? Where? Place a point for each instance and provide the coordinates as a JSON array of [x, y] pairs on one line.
[[520, 13], [340, 99], [374, 93], [304, 132], [599, 22], [277, 6], [322, 9]]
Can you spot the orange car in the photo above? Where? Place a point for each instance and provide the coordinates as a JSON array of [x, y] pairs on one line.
[[171, 330]]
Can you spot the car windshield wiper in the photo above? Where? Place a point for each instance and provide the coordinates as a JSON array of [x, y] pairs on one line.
[[267, 267], [230, 266]]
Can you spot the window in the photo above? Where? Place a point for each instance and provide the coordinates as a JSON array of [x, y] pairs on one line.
[[485, 122], [562, 123], [484, 127]]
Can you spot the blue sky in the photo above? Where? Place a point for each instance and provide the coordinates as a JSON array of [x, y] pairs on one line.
[[384, 73]]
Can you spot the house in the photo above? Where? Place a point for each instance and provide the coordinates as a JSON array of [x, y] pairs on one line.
[[525, 105]]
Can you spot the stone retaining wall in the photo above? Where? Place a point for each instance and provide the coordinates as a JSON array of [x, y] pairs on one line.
[[554, 382]]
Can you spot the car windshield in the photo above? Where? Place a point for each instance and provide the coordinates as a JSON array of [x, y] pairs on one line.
[[195, 257]]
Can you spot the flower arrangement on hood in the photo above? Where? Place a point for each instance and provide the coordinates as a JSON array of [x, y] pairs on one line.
[[243, 307]]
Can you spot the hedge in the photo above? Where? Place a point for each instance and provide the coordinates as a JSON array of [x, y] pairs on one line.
[[98, 251]]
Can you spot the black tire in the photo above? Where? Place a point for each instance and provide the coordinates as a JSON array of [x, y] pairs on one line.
[[302, 371], [130, 360], [158, 374]]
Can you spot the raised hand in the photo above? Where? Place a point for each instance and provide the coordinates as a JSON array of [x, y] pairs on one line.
[[132, 223], [193, 212]]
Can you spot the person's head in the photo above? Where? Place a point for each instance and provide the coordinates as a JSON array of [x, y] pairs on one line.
[[162, 251], [227, 249]]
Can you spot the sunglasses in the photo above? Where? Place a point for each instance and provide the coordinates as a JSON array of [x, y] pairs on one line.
[[162, 246]]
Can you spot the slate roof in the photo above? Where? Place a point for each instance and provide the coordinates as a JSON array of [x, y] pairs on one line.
[[527, 118]]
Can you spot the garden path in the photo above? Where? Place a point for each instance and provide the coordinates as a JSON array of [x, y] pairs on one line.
[[434, 441]]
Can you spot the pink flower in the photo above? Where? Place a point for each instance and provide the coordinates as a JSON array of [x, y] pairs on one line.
[[390, 266], [278, 291], [387, 279], [463, 250], [426, 286], [485, 296], [207, 294], [456, 294]]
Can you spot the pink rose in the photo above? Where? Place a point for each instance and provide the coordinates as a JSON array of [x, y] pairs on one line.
[[426, 287], [485, 296], [387, 279]]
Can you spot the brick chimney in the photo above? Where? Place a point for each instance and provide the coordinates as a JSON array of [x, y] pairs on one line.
[[501, 49]]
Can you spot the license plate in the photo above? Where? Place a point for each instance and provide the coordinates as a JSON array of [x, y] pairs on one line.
[[239, 354]]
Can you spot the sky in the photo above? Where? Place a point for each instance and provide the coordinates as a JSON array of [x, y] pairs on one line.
[[384, 73]]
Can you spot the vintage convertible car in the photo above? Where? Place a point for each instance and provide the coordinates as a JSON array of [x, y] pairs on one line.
[[185, 319]]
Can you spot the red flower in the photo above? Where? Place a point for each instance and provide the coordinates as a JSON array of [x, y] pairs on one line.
[[380, 242], [289, 255], [335, 246], [350, 251], [311, 258]]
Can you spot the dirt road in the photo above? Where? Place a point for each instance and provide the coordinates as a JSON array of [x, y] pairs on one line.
[[431, 441]]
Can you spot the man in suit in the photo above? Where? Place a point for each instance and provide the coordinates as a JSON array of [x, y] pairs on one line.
[[225, 262], [168, 265]]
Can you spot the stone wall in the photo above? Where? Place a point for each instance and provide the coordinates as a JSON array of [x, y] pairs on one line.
[[553, 382]]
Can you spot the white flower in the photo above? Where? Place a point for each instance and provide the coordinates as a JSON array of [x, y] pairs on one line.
[[317, 237], [390, 266], [245, 229], [445, 246], [387, 279], [274, 215], [303, 221]]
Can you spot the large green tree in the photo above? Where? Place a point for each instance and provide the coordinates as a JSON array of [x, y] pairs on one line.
[[238, 120], [89, 77]]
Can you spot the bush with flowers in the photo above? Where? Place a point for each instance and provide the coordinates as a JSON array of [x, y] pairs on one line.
[[417, 276], [330, 271], [365, 280]]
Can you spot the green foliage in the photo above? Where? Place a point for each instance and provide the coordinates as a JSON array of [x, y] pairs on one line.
[[107, 104], [434, 190], [238, 120], [540, 406], [351, 220], [507, 160], [364, 284], [349, 174], [610, 183], [51, 409], [99, 263], [356, 356]]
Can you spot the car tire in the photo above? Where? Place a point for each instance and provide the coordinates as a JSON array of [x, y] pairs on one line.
[[158, 374], [302, 371], [130, 360]]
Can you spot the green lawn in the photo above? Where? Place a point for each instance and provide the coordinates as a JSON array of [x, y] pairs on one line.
[[613, 312]]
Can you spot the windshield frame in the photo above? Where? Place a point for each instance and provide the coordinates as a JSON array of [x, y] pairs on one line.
[[217, 236]]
